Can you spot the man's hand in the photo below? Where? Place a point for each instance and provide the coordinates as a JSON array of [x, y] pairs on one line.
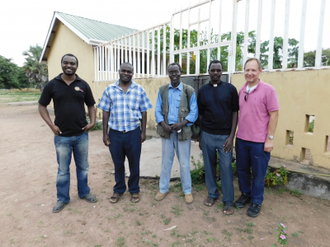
[[166, 127], [269, 145], [106, 140], [228, 146], [178, 126], [142, 137], [55, 129], [88, 127]]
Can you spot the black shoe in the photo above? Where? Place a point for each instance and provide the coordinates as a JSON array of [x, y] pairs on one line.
[[242, 201], [253, 210]]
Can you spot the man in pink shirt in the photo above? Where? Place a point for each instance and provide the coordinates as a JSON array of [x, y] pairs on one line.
[[258, 115]]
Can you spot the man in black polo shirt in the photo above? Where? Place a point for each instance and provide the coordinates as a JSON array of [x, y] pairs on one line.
[[69, 93], [218, 107]]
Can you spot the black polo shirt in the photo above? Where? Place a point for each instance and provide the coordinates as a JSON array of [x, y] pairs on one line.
[[216, 105], [69, 102]]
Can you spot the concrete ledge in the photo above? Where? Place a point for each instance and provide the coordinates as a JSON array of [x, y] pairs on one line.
[[310, 180], [309, 185]]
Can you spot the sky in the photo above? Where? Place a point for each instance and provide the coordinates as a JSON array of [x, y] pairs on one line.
[[25, 23]]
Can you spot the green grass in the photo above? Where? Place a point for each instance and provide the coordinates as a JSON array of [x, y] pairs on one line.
[[7, 96]]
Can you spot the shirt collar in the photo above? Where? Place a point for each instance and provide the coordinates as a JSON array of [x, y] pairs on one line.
[[256, 86], [133, 85], [60, 78], [178, 87]]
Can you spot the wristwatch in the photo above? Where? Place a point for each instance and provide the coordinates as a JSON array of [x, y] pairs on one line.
[[270, 137]]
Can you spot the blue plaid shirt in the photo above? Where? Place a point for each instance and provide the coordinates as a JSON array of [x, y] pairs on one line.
[[125, 108]]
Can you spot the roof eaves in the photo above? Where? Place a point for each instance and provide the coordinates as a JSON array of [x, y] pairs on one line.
[[47, 38], [73, 29]]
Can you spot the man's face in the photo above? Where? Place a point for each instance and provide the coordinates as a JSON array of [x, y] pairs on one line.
[[252, 72], [126, 73], [175, 74], [69, 65], [215, 72]]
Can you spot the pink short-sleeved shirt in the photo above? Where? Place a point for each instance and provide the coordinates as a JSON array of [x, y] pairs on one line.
[[254, 112]]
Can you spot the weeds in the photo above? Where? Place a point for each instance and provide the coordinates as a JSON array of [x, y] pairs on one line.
[[167, 221], [279, 176], [228, 234], [121, 242], [296, 193], [177, 210], [282, 236]]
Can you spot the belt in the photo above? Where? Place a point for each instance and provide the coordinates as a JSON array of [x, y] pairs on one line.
[[122, 131]]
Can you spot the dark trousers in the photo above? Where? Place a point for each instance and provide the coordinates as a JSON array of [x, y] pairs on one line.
[[251, 154], [121, 145]]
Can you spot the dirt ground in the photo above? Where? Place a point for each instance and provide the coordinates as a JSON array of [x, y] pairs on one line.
[[28, 193]]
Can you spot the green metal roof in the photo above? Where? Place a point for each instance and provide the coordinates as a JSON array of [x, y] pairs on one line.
[[93, 29]]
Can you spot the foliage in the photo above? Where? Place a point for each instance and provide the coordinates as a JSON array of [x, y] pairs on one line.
[[97, 126], [279, 176], [9, 74], [296, 193], [198, 174], [309, 58], [293, 50], [282, 236], [36, 72], [311, 126]]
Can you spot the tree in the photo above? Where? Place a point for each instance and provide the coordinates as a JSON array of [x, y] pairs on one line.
[[8, 74], [293, 50], [309, 58], [36, 72]]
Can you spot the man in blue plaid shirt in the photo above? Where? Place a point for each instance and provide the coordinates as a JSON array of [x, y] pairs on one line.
[[125, 105]]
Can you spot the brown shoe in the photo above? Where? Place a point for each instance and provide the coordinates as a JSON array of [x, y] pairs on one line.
[[135, 197], [160, 196], [188, 198], [115, 197]]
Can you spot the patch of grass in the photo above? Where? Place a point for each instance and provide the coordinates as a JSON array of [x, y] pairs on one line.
[[138, 223], [177, 243], [295, 234], [228, 234], [121, 242], [177, 210], [167, 220], [176, 187], [250, 224], [118, 216], [296, 193], [198, 187], [7, 96]]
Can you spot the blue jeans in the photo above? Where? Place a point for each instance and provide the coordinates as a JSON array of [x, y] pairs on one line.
[[182, 149], [211, 143], [65, 146], [121, 145], [251, 154]]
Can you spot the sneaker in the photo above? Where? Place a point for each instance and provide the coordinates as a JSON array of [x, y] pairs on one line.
[[242, 201], [160, 196], [253, 210], [188, 198]]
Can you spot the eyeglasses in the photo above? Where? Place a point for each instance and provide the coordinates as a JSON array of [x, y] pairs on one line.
[[246, 95]]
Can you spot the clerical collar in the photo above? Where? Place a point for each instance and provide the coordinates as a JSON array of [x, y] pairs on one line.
[[215, 85]]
